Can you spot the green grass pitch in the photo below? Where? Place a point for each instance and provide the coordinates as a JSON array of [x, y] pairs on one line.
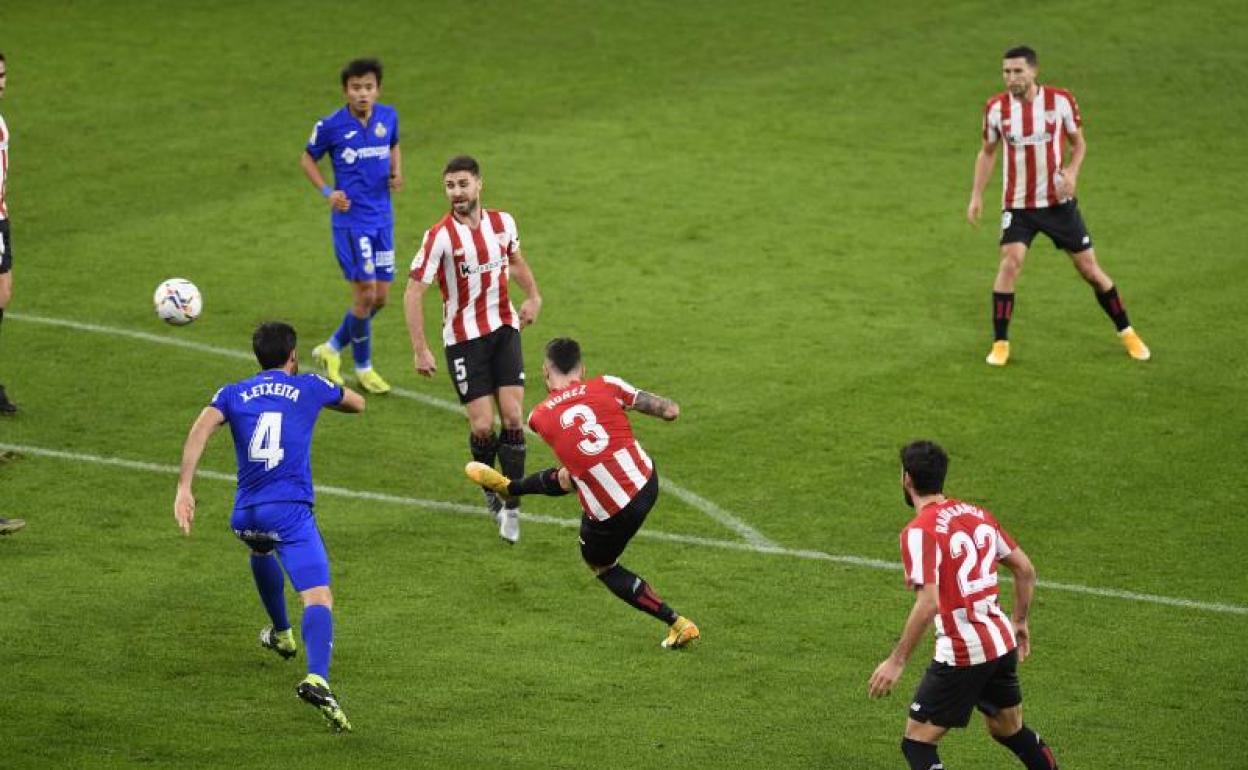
[[753, 208]]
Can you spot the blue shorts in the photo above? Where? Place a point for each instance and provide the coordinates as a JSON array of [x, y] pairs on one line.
[[365, 255], [290, 529]]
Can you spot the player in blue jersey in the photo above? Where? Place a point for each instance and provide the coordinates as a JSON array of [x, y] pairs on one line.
[[272, 416], [362, 141]]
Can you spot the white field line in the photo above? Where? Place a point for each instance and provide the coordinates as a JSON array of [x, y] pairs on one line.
[[730, 545], [710, 509]]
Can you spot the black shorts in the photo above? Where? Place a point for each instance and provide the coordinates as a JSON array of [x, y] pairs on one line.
[[6, 248], [602, 542], [946, 694], [1062, 223], [480, 367]]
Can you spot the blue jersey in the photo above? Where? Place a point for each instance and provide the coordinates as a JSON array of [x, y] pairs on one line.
[[272, 416], [361, 158]]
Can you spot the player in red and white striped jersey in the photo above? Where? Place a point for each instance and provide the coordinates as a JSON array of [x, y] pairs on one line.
[[1038, 193], [473, 254], [950, 552], [584, 422], [7, 407]]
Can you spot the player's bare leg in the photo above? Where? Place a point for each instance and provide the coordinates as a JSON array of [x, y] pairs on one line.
[[1107, 296], [1007, 728], [511, 455], [1008, 270]]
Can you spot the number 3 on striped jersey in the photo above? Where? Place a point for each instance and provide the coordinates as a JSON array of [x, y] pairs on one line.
[[596, 438], [962, 544], [266, 441]]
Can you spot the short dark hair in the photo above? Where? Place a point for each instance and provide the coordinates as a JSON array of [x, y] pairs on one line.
[[927, 464], [360, 67], [272, 342], [462, 163], [563, 353], [1022, 52]]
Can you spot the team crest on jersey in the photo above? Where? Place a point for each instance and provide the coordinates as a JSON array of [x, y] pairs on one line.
[[463, 388], [1050, 116], [379, 131], [368, 266], [504, 241]]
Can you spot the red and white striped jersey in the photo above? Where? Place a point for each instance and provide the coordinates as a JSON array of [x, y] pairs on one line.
[[957, 545], [587, 428], [4, 169], [1034, 133], [472, 266]]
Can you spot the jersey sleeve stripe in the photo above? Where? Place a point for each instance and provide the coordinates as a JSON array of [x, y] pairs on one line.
[[914, 547]]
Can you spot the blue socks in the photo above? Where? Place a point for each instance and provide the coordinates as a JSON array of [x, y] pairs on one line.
[[342, 337], [272, 586], [358, 334], [362, 342], [318, 638]]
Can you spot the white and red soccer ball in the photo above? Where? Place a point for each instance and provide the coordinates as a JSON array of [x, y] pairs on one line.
[[178, 301]]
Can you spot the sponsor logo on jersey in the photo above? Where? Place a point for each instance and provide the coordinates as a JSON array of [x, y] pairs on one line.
[[350, 154], [466, 269], [1044, 138], [349, 134]]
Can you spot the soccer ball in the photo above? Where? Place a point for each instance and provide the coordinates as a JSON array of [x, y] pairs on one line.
[[178, 302]]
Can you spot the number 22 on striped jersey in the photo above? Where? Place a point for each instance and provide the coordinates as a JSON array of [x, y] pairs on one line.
[[964, 545], [596, 438]]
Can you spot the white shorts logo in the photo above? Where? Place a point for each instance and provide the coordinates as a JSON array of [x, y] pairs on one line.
[[1006, 218]]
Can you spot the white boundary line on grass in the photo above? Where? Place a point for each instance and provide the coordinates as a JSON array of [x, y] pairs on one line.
[[731, 545], [710, 509]]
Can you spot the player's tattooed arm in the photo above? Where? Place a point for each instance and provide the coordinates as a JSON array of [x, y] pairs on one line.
[[656, 406]]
